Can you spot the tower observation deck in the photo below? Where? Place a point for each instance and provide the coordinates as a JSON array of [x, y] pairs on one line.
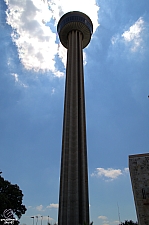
[[75, 30]]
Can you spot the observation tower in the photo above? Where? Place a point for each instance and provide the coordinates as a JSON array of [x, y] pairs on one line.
[[75, 30]]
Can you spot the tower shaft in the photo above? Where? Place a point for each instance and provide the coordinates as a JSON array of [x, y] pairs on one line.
[[73, 197]]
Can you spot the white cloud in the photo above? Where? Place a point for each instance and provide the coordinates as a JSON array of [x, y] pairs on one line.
[[53, 91], [16, 77], [34, 31], [134, 34], [39, 208], [35, 41], [90, 7], [114, 39], [126, 170], [116, 222], [53, 205], [102, 217], [109, 173], [105, 221]]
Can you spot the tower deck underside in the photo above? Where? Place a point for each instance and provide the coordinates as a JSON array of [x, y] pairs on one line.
[[75, 21], [73, 198]]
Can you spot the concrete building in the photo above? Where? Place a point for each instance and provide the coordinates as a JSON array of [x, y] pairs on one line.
[[139, 173], [75, 30]]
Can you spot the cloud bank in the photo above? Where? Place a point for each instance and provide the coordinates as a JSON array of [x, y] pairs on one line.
[[34, 30], [53, 205], [39, 208], [102, 217], [133, 35], [109, 173], [105, 221]]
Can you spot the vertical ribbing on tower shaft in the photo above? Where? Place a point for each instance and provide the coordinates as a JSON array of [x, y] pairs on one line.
[[73, 196]]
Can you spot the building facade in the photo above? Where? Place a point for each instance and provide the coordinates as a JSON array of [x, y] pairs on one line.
[[139, 173], [75, 30]]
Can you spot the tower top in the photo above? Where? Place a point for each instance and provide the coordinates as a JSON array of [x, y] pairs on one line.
[[75, 21]]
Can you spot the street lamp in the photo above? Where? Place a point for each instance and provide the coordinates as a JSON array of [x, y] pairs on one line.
[[41, 219], [37, 220], [33, 219]]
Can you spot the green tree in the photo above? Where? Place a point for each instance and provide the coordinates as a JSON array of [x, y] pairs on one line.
[[129, 223], [11, 198]]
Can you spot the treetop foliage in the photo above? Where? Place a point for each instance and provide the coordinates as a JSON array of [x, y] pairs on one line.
[[129, 223], [11, 198]]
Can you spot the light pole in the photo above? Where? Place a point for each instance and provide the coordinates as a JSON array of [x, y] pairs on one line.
[[36, 220], [41, 219], [33, 219]]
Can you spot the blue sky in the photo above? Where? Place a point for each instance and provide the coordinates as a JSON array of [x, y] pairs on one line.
[[32, 80]]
